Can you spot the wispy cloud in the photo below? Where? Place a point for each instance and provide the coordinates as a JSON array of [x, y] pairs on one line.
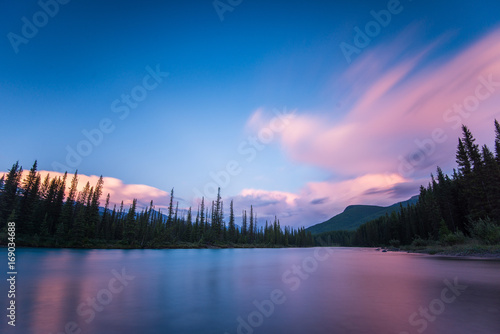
[[397, 100], [318, 201], [397, 106], [393, 97]]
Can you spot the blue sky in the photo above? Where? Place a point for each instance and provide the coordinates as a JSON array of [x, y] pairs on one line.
[[226, 80]]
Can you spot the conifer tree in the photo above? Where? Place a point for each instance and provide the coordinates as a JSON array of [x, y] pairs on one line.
[[491, 183], [130, 223], [76, 221], [250, 227], [94, 217], [44, 228], [196, 234], [497, 141], [202, 217], [60, 236], [170, 209], [59, 198], [222, 224], [244, 225], [105, 230], [464, 164], [232, 227], [9, 192], [30, 188], [79, 229], [189, 226], [118, 229], [472, 148]]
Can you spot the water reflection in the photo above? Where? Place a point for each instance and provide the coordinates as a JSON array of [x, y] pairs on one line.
[[253, 290]]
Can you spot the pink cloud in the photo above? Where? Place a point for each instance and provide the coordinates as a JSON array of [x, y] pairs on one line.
[[395, 101], [117, 189], [398, 106], [318, 201]]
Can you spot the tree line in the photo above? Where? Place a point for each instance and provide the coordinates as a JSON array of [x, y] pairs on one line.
[[449, 209], [47, 214]]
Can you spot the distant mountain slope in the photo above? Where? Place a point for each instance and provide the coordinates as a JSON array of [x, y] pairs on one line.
[[355, 215]]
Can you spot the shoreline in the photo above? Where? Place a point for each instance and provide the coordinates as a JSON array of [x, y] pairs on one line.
[[458, 251], [173, 246]]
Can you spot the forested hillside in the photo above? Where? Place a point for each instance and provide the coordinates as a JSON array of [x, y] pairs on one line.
[[355, 215], [48, 214], [449, 209]]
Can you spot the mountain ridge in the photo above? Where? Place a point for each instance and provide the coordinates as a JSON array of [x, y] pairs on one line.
[[355, 215]]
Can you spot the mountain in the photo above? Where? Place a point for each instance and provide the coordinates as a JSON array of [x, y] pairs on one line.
[[356, 215]]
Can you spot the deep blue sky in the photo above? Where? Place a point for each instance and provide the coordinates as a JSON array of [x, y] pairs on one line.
[[264, 55]]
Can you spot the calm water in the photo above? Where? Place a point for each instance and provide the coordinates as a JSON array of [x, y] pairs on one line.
[[252, 291]]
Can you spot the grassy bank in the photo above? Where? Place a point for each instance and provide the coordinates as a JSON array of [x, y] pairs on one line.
[[472, 249], [38, 242]]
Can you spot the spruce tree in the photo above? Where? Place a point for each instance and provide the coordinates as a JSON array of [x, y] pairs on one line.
[[250, 227], [79, 229], [130, 223], [94, 218], [232, 227], [472, 148], [105, 229], [464, 164], [9, 192], [202, 218], [44, 227], [30, 188], [69, 205], [196, 228], [497, 141], [189, 226], [60, 236], [244, 227], [59, 198], [491, 183], [170, 209]]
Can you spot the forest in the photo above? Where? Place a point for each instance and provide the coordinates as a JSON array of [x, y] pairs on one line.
[[48, 214], [449, 210]]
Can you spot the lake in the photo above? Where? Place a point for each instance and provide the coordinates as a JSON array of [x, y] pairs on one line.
[[298, 290]]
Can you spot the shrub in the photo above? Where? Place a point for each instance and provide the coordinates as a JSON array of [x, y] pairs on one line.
[[394, 243], [485, 230], [418, 242], [454, 238]]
